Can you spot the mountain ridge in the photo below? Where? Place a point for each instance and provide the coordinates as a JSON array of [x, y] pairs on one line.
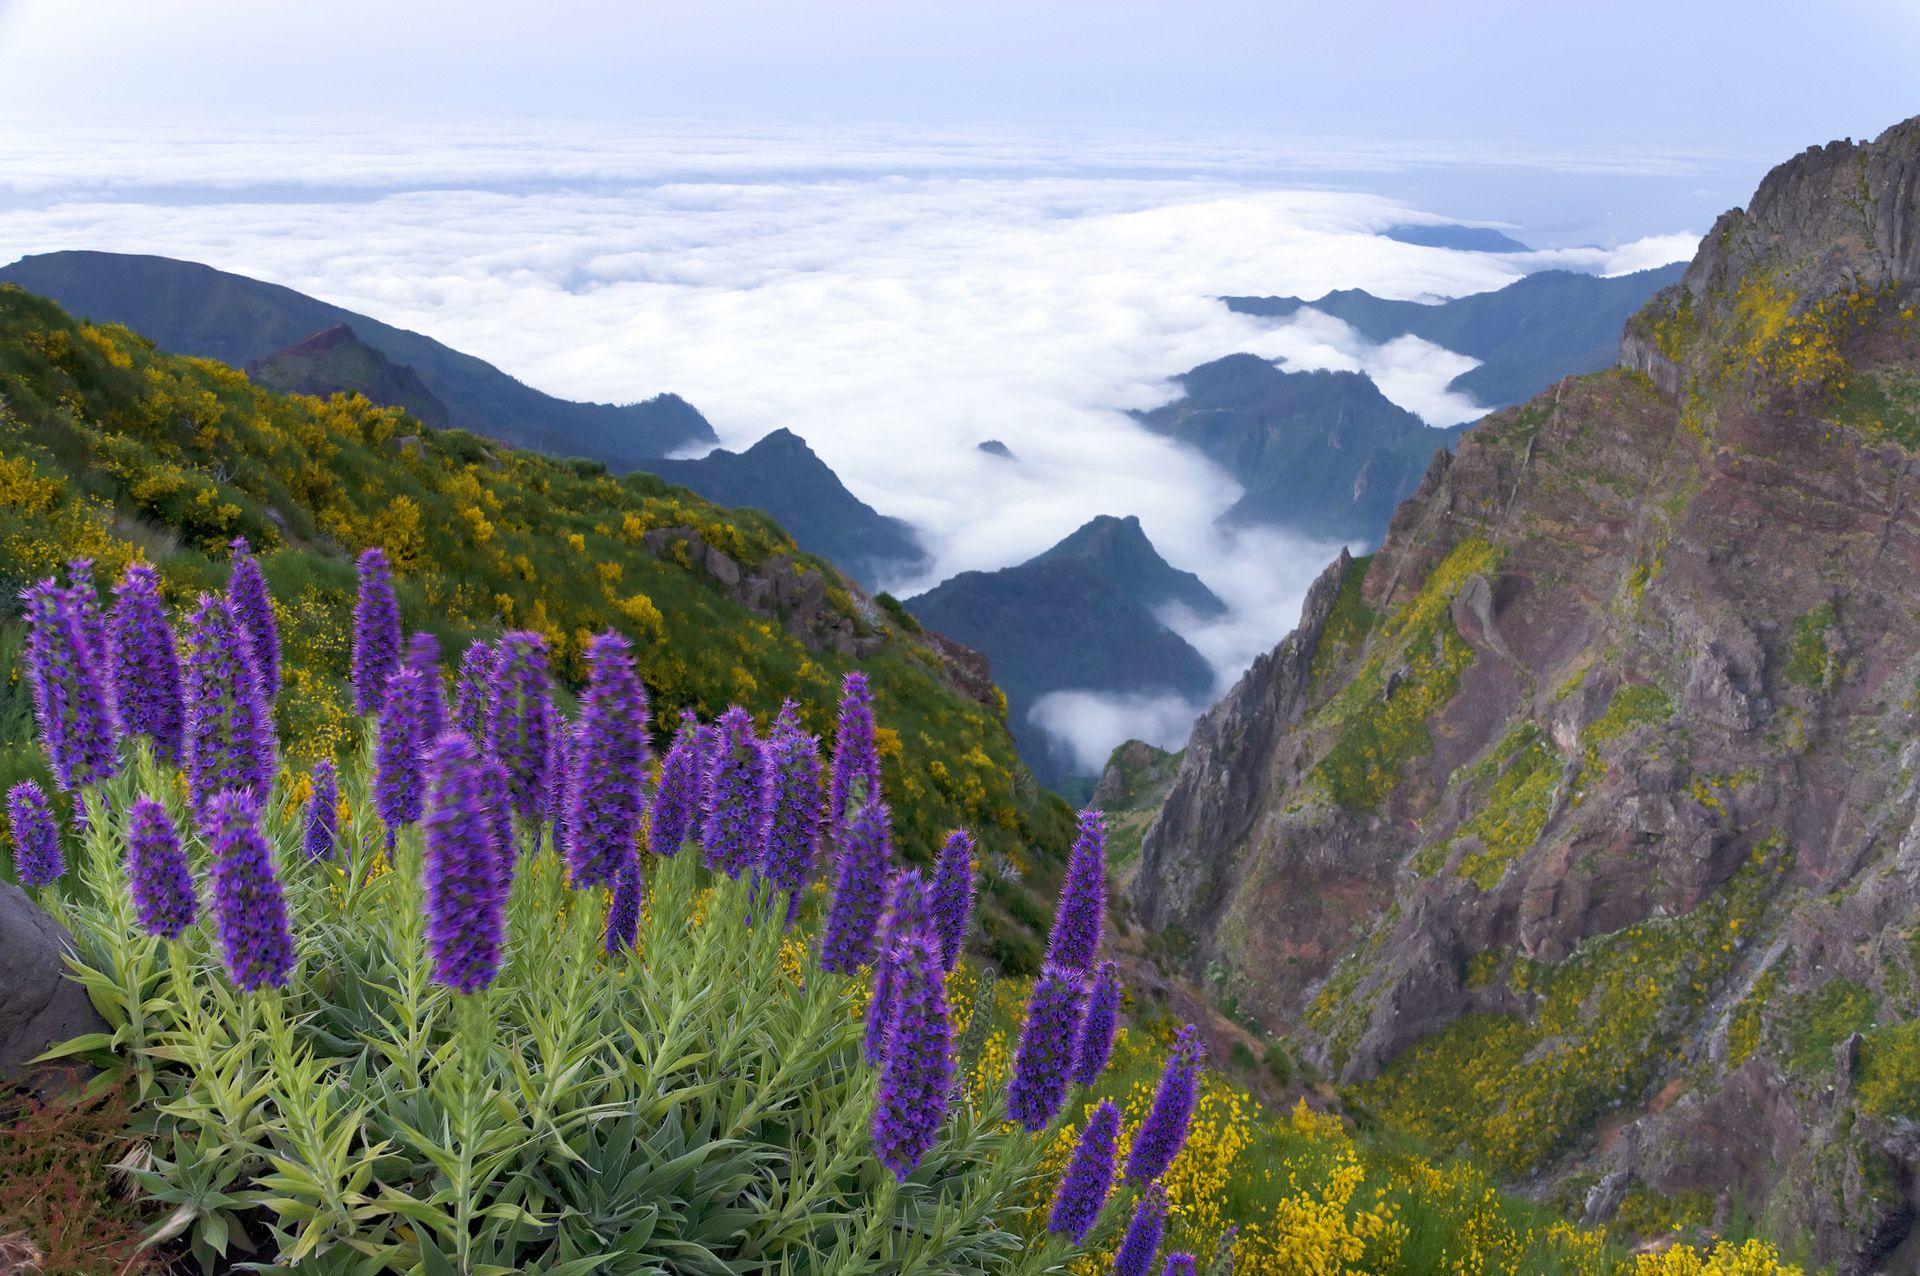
[[189, 308]]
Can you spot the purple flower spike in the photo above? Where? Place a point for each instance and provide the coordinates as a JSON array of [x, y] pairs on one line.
[[1095, 1043], [1165, 1129], [917, 1075], [953, 895], [36, 838], [253, 608], [423, 657], [731, 824], [470, 691], [1045, 1053], [321, 833], [791, 806], [157, 875], [146, 663], [376, 633], [521, 721], [465, 905], [907, 918], [856, 757], [1143, 1235], [623, 911], [1088, 1177], [500, 814], [608, 766], [229, 730], [249, 912], [1180, 1265], [400, 751], [1075, 940], [859, 891], [71, 699], [85, 600], [676, 796], [559, 805]]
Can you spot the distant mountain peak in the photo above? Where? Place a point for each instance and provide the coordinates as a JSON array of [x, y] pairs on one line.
[[1472, 239], [1117, 549], [994, 447], [335, 360]]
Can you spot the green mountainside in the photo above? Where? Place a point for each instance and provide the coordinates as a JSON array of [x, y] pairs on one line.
[[1079, 617], [111, 450], [1324, 454], [187, 308], [336, 361], [1527, 335], [782, 475]]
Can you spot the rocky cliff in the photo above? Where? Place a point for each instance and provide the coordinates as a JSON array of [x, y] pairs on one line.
[[1579, 828]]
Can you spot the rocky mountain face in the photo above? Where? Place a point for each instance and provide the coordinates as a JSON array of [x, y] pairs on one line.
[[1321, 453], [781, 475], [1079, 617], [1579, 828], [188, 308], [1526, 335]]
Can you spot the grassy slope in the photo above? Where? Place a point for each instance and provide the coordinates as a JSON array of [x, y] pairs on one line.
[[111, 450]]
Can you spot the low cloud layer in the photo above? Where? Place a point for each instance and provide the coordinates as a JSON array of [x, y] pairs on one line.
[[893, 300]]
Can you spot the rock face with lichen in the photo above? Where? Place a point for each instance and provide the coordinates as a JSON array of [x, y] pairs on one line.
[[1579, 828]]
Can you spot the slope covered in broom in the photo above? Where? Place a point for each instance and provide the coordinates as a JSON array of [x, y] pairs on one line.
[[111, 450]]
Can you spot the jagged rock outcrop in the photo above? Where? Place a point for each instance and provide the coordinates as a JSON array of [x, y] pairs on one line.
[[779, 589], [1576, 829]]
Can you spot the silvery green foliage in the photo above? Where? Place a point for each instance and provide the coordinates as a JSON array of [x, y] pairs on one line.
[[698, 1108]]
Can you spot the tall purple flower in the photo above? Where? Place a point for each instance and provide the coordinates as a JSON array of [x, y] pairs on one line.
[[623, 910], [376, 633], [157, 875], [146, 663], [70, 694], [790, 806], [907, 918], [321, 833], [36, 838], [916, 1076], [470, 690], [609, 765], [859, 890], [1094, 1045], [423, 657], [1143, 1235], [249, 912], [520, 720], [1088, 1177], [676, 795], [400, 751], [1075, 940], [559, 803], [253, 608], [856, 756], [85, 599], [953, 895], [1180, 1265], [1164, 1130], [493, 779], [1045, 1053], [730, 825], [465, 905], [229, 730]]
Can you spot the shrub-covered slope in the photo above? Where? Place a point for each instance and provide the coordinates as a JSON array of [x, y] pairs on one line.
[[110, 449], [1576, 829], [188, 308]]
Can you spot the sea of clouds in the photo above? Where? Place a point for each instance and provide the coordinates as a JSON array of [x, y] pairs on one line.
[[893, 298]]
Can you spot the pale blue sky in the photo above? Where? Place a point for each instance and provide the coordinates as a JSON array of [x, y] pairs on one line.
[[1730, 72]]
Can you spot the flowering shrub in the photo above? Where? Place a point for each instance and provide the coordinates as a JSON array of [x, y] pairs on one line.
[[411, 1036]]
